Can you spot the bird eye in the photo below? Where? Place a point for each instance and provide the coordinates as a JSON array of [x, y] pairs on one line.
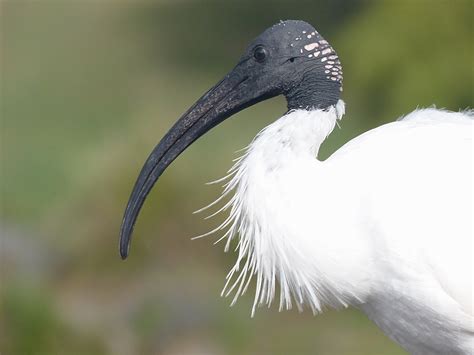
[[260, 54]]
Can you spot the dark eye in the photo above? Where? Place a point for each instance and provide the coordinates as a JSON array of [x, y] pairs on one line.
[[260, 54]]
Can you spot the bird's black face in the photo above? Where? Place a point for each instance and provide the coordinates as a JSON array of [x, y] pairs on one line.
[[289, 58]]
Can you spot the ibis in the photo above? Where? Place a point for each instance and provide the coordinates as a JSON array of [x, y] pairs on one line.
[[383, 225]]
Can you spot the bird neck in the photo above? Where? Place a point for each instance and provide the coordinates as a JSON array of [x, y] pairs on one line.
[[299, 132], [315, 92], [283, 213]]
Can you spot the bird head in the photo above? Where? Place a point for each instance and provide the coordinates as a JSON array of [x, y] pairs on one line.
[[290, 58]]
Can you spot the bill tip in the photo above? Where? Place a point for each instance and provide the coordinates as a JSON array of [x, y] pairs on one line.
[[124, 247], [124, 254]]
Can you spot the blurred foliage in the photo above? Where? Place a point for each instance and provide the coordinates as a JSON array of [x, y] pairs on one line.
[[87, 89], [33, 326]]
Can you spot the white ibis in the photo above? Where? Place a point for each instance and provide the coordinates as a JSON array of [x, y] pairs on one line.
[[383, 225]]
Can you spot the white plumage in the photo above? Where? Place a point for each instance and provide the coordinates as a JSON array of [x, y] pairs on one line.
[[384, 224]]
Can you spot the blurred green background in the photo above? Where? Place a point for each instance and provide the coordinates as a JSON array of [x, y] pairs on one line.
[[88, 88]]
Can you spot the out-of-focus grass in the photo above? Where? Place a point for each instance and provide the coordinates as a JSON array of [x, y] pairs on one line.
[[32, 325], [88, 89]]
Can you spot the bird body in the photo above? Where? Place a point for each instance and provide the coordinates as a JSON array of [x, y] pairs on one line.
[[384, 224], [372, 226]]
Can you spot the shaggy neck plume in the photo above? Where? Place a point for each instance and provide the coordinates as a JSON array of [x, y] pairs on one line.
[[266, 248]]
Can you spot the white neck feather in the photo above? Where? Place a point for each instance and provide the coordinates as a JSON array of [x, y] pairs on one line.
[[269, 183]]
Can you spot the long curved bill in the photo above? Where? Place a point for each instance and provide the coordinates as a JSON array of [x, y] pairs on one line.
[[230, 95]]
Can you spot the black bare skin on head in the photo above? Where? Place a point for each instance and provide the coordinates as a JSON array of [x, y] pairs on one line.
[[290, 58], [304, 67]]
